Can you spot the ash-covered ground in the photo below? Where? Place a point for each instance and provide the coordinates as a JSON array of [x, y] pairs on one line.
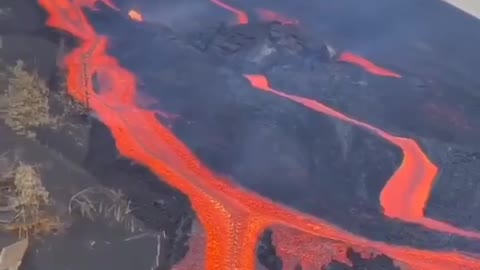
[[280, 150]]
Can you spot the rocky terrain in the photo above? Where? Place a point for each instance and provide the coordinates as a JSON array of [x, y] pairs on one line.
[[82, 205]]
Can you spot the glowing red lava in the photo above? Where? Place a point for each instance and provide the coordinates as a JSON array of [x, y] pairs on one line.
[[241, 16], [232, 217], [348, 57], [406, 193], [367, 65], [135, 15], [269, 16]]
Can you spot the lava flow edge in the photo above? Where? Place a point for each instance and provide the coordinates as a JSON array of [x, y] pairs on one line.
[[232, 218]]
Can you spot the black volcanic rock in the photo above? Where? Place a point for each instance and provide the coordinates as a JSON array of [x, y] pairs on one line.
[[259, 46], [358, 263], [159, 206], [261, 140], [265, 142]]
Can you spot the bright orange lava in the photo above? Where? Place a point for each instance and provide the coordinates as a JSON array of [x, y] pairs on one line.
[[406, 193], [268, 15], [367, 65], [232, 217], [135, 15], [242, 17]]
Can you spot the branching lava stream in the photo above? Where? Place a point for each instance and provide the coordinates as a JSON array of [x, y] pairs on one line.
[[240, 15], [232, 217]]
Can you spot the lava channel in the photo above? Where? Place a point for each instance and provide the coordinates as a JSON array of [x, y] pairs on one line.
[[407, 192], [346, 57], [367, 65], [232, 218], [241, 16]]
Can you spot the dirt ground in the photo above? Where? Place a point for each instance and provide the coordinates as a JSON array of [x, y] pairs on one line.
[[92, 213]]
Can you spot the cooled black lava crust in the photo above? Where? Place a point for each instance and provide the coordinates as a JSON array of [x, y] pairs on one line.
[[272, 146]]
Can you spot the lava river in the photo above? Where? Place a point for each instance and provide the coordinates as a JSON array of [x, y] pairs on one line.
[[232, 217]]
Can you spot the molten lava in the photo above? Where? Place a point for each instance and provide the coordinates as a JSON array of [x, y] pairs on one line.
[[241, 16], [367, 65], [406, 193], [269, 16], [232, 217], [347, 57], [135, 15]]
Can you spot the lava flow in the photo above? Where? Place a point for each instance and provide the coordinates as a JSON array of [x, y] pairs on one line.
[[347, 57], [408, 189], [135, 15], [268, 15], [241, 16], [369, 66], [406, 193], [232, 217]]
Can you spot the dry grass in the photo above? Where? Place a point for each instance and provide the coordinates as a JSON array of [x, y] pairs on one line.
[[7, 167], [30, 200], [25, 105], [71, 107], [31, 194], [98, 202]]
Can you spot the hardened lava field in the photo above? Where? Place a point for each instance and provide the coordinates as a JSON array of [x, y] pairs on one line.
[[294, 146]]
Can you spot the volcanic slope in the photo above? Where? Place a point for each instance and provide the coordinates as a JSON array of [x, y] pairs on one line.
[[108, 98]]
